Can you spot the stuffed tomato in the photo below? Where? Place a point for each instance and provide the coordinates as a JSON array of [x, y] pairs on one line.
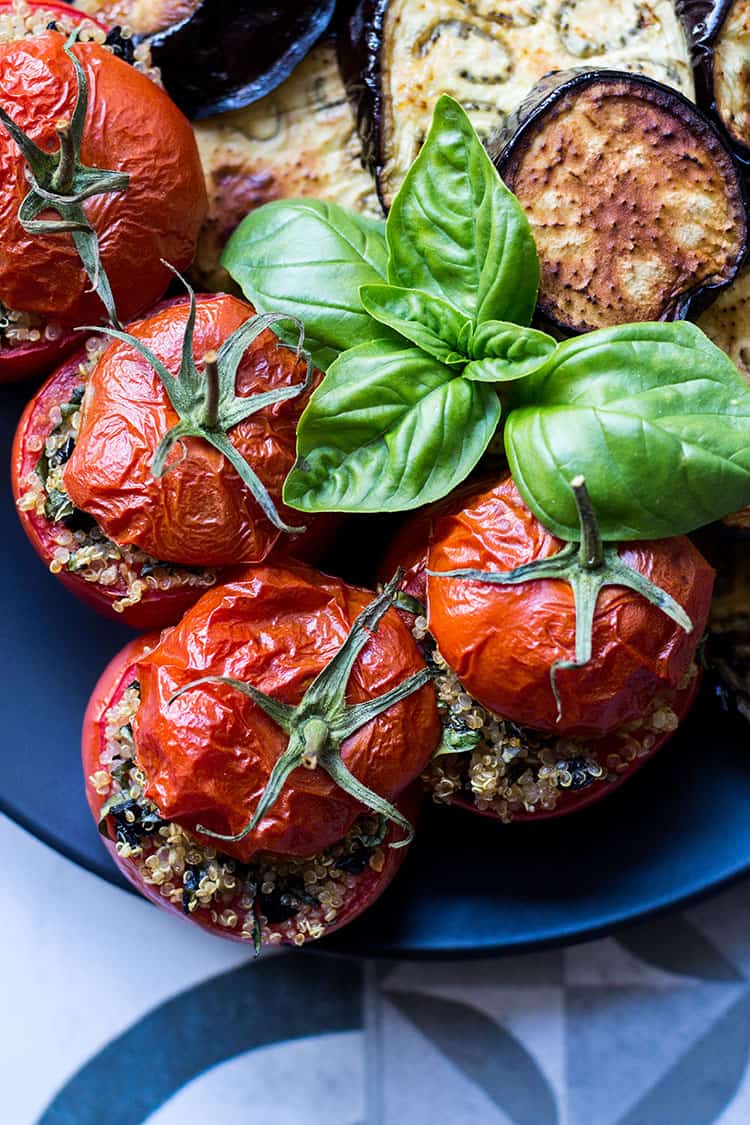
[[142, 542], [252, 768], [550, 697], [92, 200]]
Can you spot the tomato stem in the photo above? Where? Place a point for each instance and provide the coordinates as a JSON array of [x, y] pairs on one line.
[[211, 402], [319, 725], [63, 176], [591, 553]]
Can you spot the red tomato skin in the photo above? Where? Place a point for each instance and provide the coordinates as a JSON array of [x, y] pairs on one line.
[[158, 217], [200, 513], [118, 674], [503, 641], [157, 608], [209, 754], [27, 361]]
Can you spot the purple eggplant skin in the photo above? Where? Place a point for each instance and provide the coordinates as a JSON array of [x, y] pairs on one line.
[[703, 21], [521, 127], [359, 36], [230, 53]]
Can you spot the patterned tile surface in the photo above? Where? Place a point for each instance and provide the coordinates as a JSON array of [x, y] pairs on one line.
[[115, 1014]]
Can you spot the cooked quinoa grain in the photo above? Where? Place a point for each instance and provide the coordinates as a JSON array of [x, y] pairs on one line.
[[82, 548], [512, 770], [274, 899]]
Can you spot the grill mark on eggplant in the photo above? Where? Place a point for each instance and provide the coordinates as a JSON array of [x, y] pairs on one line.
[[636, 204], [397, 56]]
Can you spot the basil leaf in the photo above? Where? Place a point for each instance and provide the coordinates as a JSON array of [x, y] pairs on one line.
[[654, 416], [455, 230], [455, 741], [308, 258], [388, 429], [433, 325], [506, 351]]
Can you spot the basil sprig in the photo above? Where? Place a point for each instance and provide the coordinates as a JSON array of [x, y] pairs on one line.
[[415, 324]]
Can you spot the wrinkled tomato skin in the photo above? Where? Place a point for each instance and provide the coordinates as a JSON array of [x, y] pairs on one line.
[[116, 677], [27, 361], [157, 608], [503, 641], [680, 702], [209, 754], [132, 126], [199, 513]]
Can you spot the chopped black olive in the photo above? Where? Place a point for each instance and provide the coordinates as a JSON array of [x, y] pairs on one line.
[[63, 454], [579, 773], [123, 48], [355, 862]]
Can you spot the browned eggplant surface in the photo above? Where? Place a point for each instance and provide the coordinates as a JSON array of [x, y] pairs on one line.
[[636, 205], [299, 141], [397, 56]]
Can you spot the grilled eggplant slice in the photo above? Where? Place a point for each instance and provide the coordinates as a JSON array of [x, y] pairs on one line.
[[636, 204], [300, 140], [727, 322], [230, 53], [142, 17], [728, 649], [719, 35], [397, 56]]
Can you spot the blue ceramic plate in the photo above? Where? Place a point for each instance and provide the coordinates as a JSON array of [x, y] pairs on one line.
[[679, 829]]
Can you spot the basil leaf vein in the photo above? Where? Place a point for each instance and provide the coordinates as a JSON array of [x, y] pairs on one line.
[[308, 258], [455, 230], [389, 429], [654, 416]]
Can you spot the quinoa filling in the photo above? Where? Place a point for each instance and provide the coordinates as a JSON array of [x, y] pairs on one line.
[[510, 770], [81, 547], [272, 900]]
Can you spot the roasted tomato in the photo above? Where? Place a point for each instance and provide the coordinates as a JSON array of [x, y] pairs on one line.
[[86, 495], [162, 767], [527, 730], [143, 201]]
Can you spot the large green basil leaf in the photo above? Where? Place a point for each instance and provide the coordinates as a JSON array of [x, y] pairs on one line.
[[388, 429], [433, 325], [654, 416], [308, 258], [503, 352], [455, 230]]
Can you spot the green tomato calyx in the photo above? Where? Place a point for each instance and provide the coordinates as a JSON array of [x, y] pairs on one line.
[[318, 725], [588, 567], [61, 183], [206, 402]]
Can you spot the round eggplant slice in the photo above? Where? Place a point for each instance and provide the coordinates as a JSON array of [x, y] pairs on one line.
[[299, 141], [719, 35], [398, 56], [636, 204], [229, 53]]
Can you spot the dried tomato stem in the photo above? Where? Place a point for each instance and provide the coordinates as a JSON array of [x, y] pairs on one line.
[[62, 179], [591, 554], [211, 404]]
